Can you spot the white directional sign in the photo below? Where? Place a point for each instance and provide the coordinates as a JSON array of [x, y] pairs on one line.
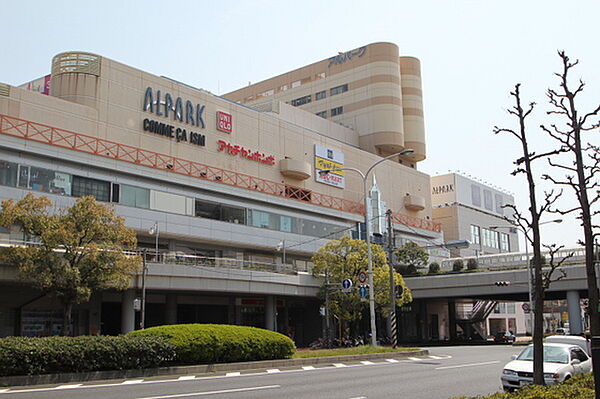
[[346, 285]]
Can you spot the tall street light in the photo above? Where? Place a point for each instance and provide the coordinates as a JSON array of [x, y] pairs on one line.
[[365, 177], [154, 230], [529, 283]]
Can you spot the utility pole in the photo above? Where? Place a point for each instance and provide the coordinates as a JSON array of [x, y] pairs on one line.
[[327, 320], [143, 305], [390, 248]]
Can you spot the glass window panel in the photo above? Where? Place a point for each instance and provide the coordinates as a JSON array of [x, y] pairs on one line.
[[287, 224], [8, 173], [61, 184], [233, 215], [487, 200], [498, 200], [475, 195], [208, 210], [83, 186], [39, 179], [24, 176]]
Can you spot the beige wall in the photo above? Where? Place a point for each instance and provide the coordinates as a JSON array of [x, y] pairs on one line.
[[113, 110]]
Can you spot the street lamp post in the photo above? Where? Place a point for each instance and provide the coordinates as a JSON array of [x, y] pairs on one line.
[[365, 177], [154, 230], [529, 270]]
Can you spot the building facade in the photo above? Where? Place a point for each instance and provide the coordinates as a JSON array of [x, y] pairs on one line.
[[231, 193], [470, 210]]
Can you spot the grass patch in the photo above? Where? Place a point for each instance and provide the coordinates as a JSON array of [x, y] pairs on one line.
[[357, 350]]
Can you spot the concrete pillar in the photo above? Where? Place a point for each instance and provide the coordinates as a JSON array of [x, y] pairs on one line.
[[270, 310], [575, 325], [171, 309], [127, 312], [452, 319]]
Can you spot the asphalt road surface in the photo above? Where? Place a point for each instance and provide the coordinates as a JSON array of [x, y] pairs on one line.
[[445, 373]]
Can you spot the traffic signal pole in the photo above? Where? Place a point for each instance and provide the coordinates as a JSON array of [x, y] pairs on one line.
[[390, 248]]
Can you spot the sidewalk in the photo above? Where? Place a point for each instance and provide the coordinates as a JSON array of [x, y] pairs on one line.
[[204, 369]]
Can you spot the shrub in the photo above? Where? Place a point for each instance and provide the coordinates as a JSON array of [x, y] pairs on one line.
[[434, 268], [472, 264], [458, 265], [27, 356], [214, 343]]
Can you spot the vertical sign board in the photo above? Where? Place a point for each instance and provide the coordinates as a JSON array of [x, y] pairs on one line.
[[224, 122], [326, 158]]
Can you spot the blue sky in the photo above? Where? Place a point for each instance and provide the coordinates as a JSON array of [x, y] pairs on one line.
[[472, 54]]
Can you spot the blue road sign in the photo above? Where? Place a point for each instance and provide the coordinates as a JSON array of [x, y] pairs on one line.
[[346, 284]]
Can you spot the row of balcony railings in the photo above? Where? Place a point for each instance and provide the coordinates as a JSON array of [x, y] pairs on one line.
[[190, 260], [517, 260]]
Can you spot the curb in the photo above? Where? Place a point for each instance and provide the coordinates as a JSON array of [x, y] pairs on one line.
[[22, 380]]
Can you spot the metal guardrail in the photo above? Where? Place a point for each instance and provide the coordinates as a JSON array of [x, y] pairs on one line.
[[516, 260]]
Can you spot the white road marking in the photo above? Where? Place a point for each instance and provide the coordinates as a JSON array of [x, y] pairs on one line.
[[132, 382], [186, 377], [3, 390], [308, 367], [391, 360], [182, 395], [68, 386], [367, 363], [359, 397], [466, 365], [415, 359], [273, 371], [339, 365], [233, 374], [436, 357]]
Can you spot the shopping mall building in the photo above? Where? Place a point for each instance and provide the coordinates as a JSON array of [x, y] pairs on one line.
[[228, 185]]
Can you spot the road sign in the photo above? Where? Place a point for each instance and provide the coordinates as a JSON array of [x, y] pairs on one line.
[[525, 307], [346, 285], [362, 277], [362, 291]]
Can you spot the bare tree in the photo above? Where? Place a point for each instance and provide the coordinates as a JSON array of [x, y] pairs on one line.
[[580, 172], [530, 225]]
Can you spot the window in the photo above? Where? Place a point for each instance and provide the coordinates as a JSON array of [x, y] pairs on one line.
[[475, 234], [295, 84], [337, 111], [487, 200], [321, 95], [233, 214], [475, 195], [8, 173], [207, 210], [23, 176], [339, 89], [510, 307], [48, 181], [134, 196], [301, 101], [83, 186], [498, 200], [504, 242], [322, 114]]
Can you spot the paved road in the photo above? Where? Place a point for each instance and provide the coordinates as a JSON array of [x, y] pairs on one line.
[[447, 372]]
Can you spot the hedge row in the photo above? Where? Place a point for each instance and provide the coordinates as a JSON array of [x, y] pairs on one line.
[[578, 387], [28, 356], [215, 343]]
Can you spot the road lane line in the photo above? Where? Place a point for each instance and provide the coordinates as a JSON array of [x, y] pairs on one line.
[[71, 386], [308, 367], [436, 357], [415, 359], [273, 371], [367, 363], [391, 360], [127, 382], [233, 374], [466, 365], [183, 395], [186, 377], [339, 365]]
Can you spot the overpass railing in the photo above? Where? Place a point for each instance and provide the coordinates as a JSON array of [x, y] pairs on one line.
[[516, 260]]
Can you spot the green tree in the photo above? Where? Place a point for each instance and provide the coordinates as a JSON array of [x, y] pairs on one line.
[[78, 250], [345, 259], [411, 257]]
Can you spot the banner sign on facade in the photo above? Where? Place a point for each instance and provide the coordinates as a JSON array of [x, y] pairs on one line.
[[326, 158]]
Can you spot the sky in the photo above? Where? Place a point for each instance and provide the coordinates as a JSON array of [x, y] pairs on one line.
[[472, 54]]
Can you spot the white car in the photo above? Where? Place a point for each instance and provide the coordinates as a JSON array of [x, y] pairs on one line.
[[561, 362]]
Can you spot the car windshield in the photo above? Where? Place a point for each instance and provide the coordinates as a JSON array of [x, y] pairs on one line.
[[552, 354]]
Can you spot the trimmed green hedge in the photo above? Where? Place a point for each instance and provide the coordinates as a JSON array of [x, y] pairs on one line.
[[28, 356], [216, 343], [578, 387]]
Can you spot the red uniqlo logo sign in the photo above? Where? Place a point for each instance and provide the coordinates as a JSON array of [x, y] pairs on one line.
[[224, 122]]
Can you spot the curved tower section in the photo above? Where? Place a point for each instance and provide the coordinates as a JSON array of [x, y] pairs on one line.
[[412, 107], [76, 77]]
